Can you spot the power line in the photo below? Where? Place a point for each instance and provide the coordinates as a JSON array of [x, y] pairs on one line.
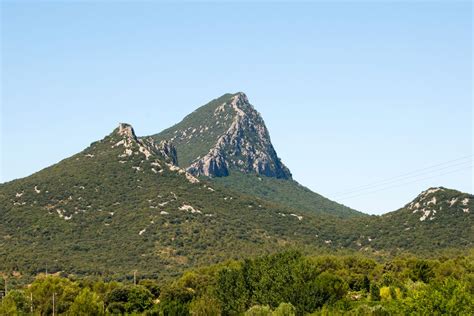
[[411, 174], [395, 186], [399, 179]]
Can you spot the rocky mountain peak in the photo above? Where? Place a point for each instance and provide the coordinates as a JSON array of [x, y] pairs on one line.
[[224, 135]]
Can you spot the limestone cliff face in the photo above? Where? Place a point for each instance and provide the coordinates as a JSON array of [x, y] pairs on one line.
[[225, 135], [245, 145]]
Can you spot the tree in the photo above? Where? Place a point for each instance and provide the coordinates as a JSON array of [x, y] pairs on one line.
[[131, 298], [152, 286], [326, 288], [451, 297], [421, 271], [21, 301], [8, 307], [205, 306], [87, 303], [139, 299], [232, 291], [43, 289]]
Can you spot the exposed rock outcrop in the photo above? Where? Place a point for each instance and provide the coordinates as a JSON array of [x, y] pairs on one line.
[[146, 146], [244, 146], [430, 203]]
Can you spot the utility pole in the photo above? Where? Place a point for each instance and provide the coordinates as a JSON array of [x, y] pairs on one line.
[[135, 277], [54, 307], [31, 301]]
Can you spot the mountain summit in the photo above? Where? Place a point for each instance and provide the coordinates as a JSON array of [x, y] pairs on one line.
[[227, 140], [224, 135]]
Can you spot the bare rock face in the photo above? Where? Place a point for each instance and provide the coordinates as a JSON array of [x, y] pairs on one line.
[[211, 165], [245, 145], [146, 146], [167, 150], [125, 129]]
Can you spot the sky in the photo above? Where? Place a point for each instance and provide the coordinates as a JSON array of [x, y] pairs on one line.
[[367, 103]]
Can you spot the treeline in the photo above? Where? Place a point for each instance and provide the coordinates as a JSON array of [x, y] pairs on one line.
[[287, 283]]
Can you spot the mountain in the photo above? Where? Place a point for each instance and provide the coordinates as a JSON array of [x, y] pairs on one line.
[[130, 203], [122, 204], [437, 218], [227, 141]]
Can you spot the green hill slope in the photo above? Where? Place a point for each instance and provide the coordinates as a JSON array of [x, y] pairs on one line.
[[285, 192], [437, 218], [121, 205]]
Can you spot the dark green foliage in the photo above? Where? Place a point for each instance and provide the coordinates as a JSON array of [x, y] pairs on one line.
[[271, 280], [286, 192], [374, 292], [232, 291], [116, 308], [152, 286], [130, 298], [421, 271]]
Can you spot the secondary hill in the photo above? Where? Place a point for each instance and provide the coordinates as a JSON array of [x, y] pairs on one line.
[[438, 218], [227, 140]]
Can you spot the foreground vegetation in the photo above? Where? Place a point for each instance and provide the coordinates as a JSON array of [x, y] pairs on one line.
[[286, 283]]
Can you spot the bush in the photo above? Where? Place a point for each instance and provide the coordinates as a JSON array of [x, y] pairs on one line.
[[285, 309], [259, 310]]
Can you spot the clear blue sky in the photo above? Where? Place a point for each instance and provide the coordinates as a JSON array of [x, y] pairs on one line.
[[352, 93]]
